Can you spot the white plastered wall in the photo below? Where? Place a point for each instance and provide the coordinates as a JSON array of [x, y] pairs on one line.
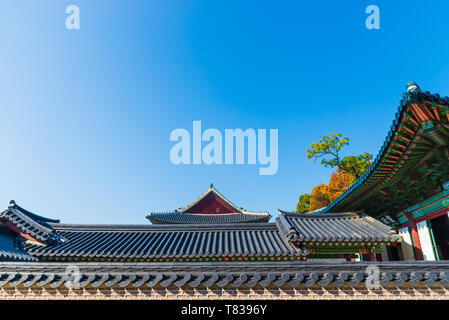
[[407, 244], [426, 241]]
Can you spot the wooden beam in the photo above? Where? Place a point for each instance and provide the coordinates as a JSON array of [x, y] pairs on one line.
[[415, 237], [19, 231]]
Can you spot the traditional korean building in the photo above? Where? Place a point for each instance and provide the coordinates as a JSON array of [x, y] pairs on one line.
[[209, 207], [212, 248], [209, 238], [407, 186], [299, 256]]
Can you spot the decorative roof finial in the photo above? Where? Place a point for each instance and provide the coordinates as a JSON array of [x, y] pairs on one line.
[[12, 203], [412, 87], [211, 185]]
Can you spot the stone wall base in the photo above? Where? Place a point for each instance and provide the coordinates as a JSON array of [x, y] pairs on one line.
[[313, 293]]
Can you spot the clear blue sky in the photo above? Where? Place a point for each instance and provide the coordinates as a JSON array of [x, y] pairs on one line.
[[86, 114]]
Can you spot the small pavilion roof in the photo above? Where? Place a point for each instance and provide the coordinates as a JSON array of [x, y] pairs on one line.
[[29, 224], [334, 227]]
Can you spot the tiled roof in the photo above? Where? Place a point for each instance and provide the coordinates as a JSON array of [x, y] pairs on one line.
[[29, 223], [10, 249], [189, 215], [237, 274], [189, 242], [214, 191], [375, 178], [168, 241], [194, 218], [334, 227]]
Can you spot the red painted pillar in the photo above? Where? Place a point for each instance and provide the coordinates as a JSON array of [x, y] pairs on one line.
[[415, 237], [371, 255]]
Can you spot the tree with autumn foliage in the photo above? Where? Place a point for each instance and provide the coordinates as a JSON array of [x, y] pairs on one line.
[[322, 195], [348, 169], [338, 182], [328, 150], [319, 197], [303, 203]]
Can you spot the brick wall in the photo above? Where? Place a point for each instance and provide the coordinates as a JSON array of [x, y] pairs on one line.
[[316, 292]]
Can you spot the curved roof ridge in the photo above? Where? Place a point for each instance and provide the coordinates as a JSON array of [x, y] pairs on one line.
[[412, 95], [29, 225], [320, 215], [12, 204], [255, 212], [208, 214]]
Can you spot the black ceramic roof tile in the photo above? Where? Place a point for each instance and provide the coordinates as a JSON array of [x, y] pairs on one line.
[[237, 274], [195, 218], [168, 241], [347, 227]]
